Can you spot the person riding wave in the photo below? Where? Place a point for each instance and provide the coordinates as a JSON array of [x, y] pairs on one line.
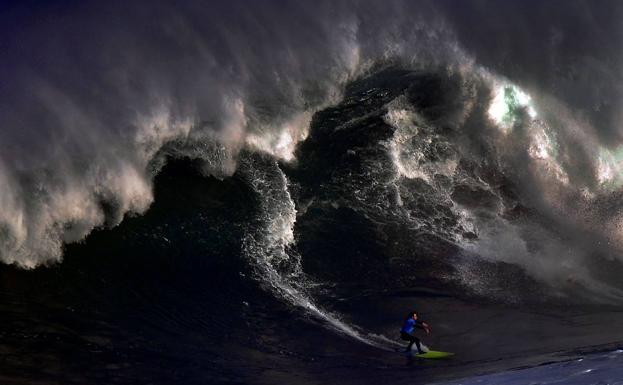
[[408, 328]]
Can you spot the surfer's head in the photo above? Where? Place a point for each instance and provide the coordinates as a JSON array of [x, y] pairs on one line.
[[412, 314]]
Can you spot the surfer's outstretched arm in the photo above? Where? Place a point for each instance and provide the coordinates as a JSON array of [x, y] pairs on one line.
[[426, 327]]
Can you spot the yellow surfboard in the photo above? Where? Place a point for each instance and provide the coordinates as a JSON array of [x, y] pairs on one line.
[[432, 354]]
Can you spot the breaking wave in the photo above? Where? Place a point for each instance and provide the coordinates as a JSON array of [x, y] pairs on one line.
[[509, 177]]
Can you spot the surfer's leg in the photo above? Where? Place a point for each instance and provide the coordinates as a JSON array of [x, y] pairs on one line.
[[410, 345], [412, 340], [417, 344], [407, 337]]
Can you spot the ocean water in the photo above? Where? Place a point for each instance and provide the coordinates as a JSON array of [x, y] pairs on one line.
[[242, 193], [591, 369]]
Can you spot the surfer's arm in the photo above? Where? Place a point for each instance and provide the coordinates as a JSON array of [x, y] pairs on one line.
[[426, 327]]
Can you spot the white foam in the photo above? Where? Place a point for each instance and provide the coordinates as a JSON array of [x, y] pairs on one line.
[[271, 246], [411, 139]]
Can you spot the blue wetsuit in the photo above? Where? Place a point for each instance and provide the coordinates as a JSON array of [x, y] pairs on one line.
[[406, 333], [410, 325]]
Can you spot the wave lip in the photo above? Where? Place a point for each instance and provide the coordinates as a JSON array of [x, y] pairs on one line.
[[89, 118]]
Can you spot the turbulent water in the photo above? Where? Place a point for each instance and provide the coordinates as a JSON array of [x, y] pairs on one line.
[[257, 193]]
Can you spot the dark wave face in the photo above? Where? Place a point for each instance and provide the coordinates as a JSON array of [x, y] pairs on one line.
[[255, 192]]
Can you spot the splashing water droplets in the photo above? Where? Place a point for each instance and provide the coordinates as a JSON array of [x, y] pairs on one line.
[[271, 246], [507, 103]]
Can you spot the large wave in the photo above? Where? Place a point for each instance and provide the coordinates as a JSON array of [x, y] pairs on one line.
[[96, 97]]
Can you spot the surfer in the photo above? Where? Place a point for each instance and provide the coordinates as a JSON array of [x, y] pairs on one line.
[[408, 328]]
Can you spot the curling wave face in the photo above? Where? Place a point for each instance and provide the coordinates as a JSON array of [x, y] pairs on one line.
[[447, 152], [435, 160], [88, 118]]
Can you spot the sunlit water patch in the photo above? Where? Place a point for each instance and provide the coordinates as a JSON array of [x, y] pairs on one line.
[[602, 369]]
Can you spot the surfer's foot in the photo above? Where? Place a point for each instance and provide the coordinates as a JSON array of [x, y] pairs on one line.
[[421, 352]]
